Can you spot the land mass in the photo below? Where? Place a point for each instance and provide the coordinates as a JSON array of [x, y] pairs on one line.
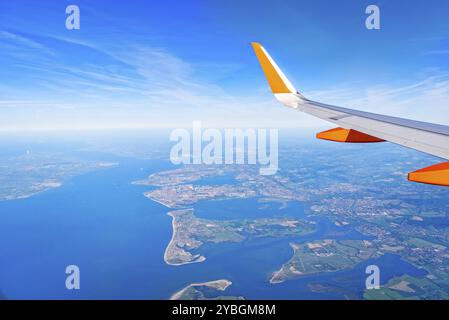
[[388, 214], [190, 232], [323, 256], [181, 188], [198, 291], [408, 288], [32, 173]]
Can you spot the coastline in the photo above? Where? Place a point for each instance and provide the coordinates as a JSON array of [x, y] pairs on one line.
[[157, 201], [172, 246], [220, 285]]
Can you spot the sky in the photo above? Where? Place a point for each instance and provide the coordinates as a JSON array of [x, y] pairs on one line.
[[164, 64]]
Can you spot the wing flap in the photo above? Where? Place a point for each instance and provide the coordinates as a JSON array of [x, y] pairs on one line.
[[437, 174], [428, 141], [347, 135]]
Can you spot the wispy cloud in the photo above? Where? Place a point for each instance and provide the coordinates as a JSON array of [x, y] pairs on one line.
[[425, 100], [21, 40], [18, 45], [148, 83], [142, 86], [438, 52]]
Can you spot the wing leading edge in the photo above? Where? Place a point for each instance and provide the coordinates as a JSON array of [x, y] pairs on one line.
[[365, 127]]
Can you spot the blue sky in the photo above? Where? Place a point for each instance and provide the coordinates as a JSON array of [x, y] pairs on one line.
[[166, 63]]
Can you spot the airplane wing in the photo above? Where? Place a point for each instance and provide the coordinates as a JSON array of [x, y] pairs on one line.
[[356, 126]]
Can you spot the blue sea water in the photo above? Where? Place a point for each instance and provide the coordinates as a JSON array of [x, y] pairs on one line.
[[102, 223]]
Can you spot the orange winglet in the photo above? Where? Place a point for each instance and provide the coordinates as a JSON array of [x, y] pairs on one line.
[[276, 79], [347, 135], [437, 174]]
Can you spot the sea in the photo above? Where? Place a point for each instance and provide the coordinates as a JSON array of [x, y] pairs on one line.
[[102, 223]]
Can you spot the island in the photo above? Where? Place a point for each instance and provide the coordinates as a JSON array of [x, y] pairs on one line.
[[201, 291], [323, 256]]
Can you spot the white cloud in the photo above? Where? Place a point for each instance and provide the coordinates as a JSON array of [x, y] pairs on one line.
[[424, 100], [141, 86]]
